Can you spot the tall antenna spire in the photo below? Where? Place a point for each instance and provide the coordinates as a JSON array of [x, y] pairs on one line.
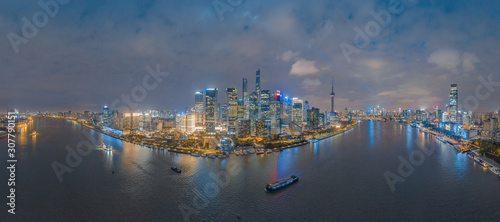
[[332, 97]]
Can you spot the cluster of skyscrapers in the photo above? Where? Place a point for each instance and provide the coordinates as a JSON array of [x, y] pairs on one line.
[[260, 112]]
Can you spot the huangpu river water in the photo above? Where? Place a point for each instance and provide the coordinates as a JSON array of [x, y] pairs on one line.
[[341, 179]]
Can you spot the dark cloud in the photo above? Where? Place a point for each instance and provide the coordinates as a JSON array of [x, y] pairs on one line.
[[91, 52]]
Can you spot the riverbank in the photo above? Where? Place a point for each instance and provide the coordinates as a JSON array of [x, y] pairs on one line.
[[465, 149], [190, 151]]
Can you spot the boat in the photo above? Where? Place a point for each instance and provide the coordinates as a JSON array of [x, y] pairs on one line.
[[203, 155], [479, 161], [441, 138], [260, 152], [176, 169], [281, 183], [105, 148], [313, 140], [269, 151], [251, 151], [222, 156], [195, 154], [3, 134], [34, 133], [211, 156]]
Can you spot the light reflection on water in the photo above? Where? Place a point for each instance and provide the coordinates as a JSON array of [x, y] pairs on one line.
[[341, 178]]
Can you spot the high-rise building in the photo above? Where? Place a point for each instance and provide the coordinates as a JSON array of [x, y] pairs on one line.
[[289, 108], [313, 118], [304, 111], [244, 128], [253, 101], [261, 128], [211, 109], [436, 112], [257, 82], [232, 102], [453, 103], [245, 99], [241, 110], [105, 116], [198, 109], [265, 99], [224, 114], [321, 120], [275, 108], [297, 111]]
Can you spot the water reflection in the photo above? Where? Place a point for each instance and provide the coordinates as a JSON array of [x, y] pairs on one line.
[[371, 133]]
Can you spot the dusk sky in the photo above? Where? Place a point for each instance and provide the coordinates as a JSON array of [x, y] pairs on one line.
[[91, 52]]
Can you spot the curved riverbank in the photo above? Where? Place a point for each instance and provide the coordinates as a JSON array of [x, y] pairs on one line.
[[184, 151]]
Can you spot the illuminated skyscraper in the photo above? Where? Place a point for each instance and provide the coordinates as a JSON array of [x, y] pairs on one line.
[[257, 89], [305, 107], [241, 110], [297, 111], [453, 103], [105, 116], [265, 99], [245, 99], [313, 118], [253, 108], [210, 112], [198, 109], [257, 82], [232, 102]]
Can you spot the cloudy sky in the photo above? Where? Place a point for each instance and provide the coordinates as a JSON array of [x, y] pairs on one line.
[[90, 53]]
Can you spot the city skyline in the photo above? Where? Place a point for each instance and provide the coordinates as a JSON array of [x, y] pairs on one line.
[[401, 68]]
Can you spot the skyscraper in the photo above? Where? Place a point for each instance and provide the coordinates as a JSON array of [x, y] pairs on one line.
[[453, 103], [232, 102], [313, 118], [305, 107], [297, 111], [241, 110], [253, 109], [211, 112], [257, 82], [105, 116], [198, 109], [265, 100], [245, 99]]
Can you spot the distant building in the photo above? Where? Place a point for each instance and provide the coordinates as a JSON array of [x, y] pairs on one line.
[[232, 117], [253, 102], [244, 128], [245, 99], [261, 128], [265, 99], [297, 111], [313, 119], [321, 121], [186, 122], [211, 109], [198, 108], [305, 107], [257, 83], [241, 110], [105, 116], [453, 103]]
